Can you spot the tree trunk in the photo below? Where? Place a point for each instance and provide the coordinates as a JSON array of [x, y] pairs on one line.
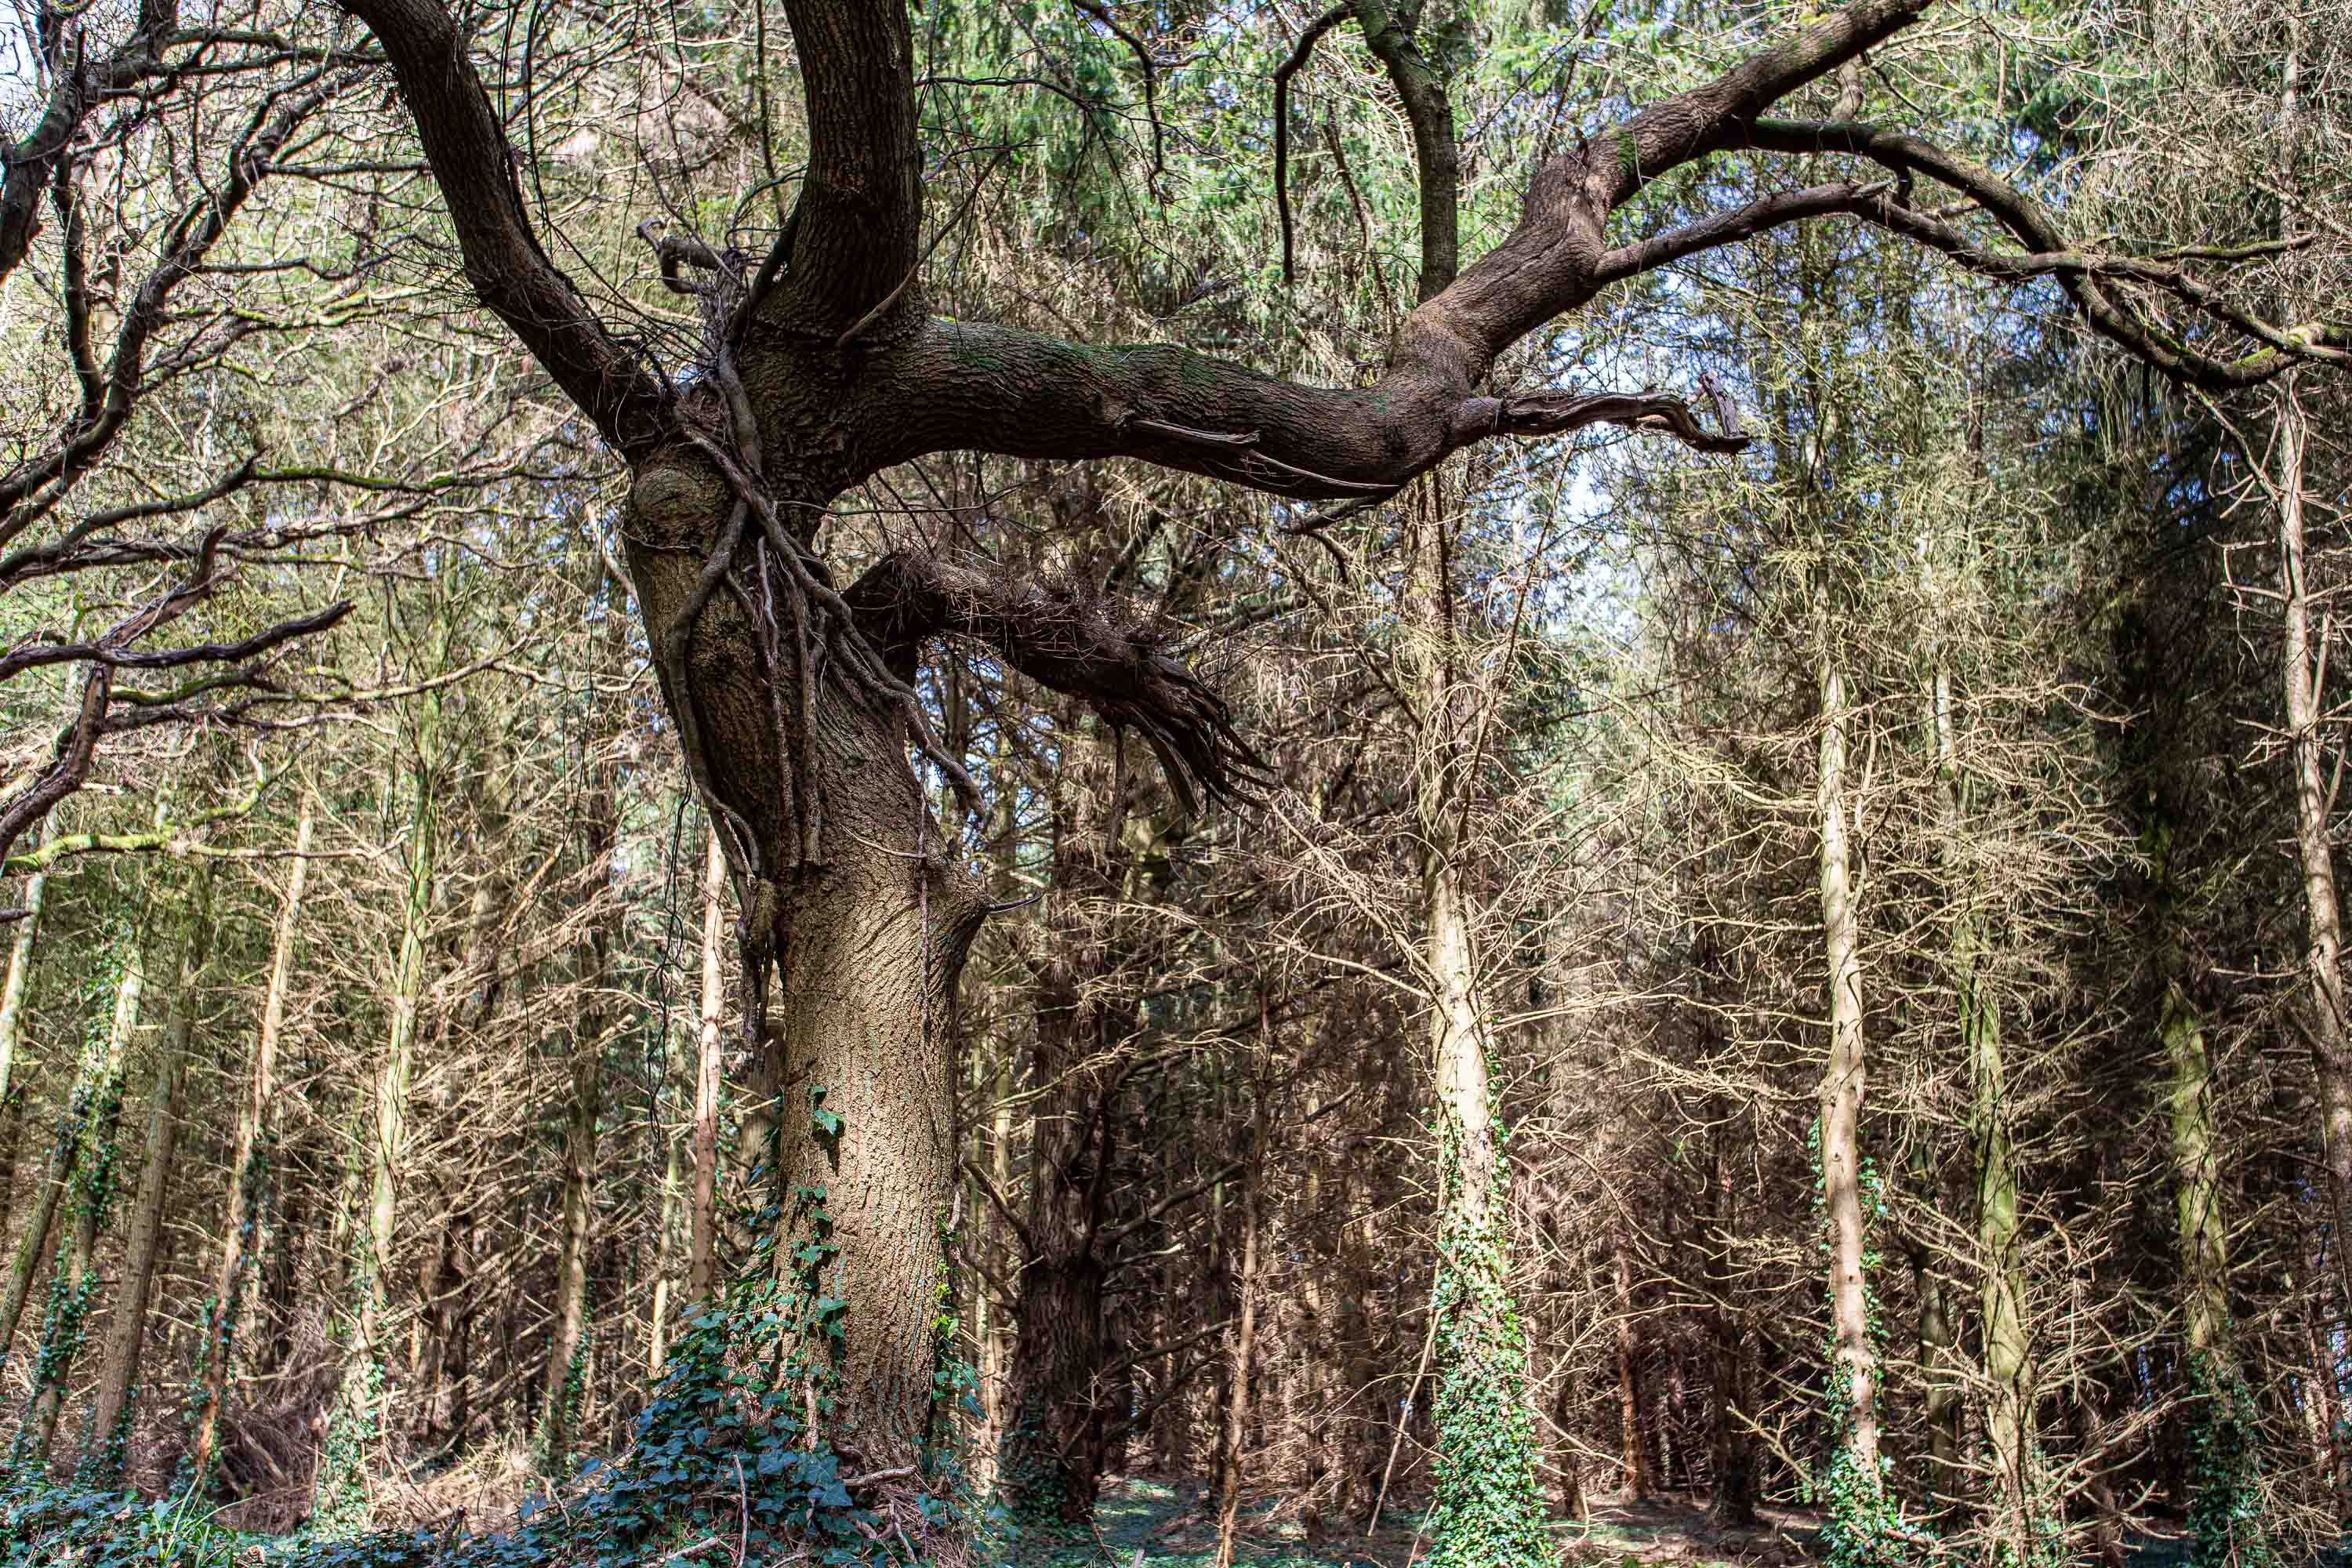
[[1242, 1348], [702, 1245], [2223, 1485], [670, 1227], [96, 1173], [339, 1501], [560, 1390], [1063, 1418], [65, 1147], [1489, 1508], [2008, 1373], [13, 991], [1854, 1412], [1731, 1503], [1634, 1468], [873, 939], [2303, 658], [109, 1418], [249, 1174]]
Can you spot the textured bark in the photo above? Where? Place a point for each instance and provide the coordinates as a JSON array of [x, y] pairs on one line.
[[1855, 1354], [2204, 1235], [248, 1178], [143, 1239]]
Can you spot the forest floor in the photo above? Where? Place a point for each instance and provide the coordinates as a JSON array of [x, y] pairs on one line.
[[1172, 1526], [1147, 1523]]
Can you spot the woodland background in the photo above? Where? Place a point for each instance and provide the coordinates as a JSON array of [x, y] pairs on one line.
[[367, 1027]]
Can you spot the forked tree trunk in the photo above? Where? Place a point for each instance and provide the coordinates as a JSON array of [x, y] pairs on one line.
[[143, 1242], [248, 1177]]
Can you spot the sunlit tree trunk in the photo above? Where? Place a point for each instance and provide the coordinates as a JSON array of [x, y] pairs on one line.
[[1489, 1507], [25, 1264], [142, 1242], [2303, 662], [1855, 1353], [248, 1173]]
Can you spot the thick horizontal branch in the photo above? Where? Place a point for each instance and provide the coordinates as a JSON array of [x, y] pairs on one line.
[[1000, 389]]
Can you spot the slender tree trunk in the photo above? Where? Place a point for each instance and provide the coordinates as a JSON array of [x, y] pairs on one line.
[[57, 1177], [2008, 1373], [2222, 1481], [559, 1419], [1061, 1412], [340, 1501], [2304, 657], [1633, 1464], [1731, 1469], [1855, 1357], [1242, 1348], [143, 1242], [702, 1249], [95, 1175], [13, 992], [248, 1174], [670, 1231]]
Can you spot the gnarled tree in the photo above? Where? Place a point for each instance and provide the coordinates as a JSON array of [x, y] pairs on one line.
[[821, 367]]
